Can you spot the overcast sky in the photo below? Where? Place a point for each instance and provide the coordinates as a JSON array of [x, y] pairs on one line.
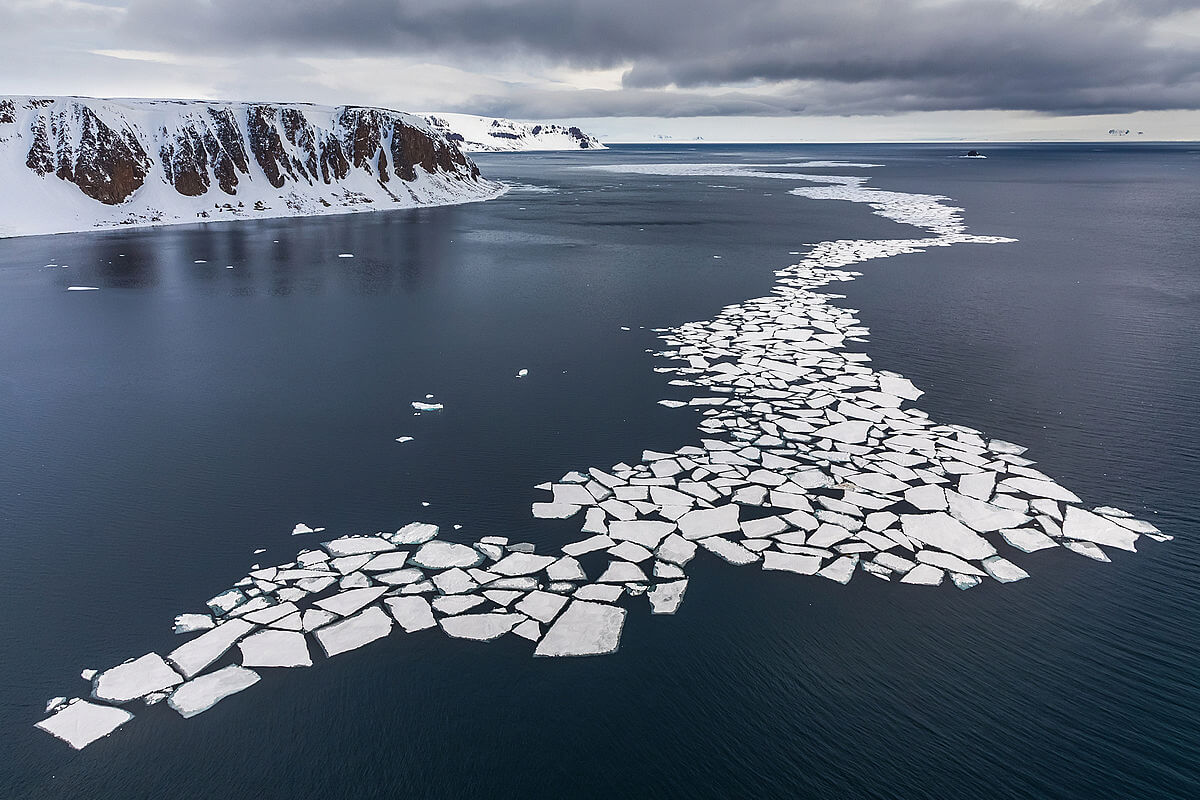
[[633, 69]]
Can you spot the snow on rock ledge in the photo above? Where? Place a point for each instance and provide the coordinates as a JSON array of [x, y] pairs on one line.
[[487, 134], [74, 163]]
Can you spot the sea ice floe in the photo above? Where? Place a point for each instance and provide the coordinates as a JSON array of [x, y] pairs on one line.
[[542, 606], [272, 648], [134, 679], [584, 629], [195, 655], [354, 632], [481, 627], [200, 694], [666, 597], [436, 554], [80, 723], [804, 565], [411, 613]]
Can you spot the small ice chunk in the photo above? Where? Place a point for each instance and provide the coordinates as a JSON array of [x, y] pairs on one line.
[[357, 545], [345, 255], [1027, 539], [346, 603], [555, 510], [676, 550], [421, 406], [456, 604], [189, 623], [707, 522], [134, 679], [454, 581], [200, 694], [629, 551], [849, 432], [1003, 570], [730, 551], [529, 629], [604, 592], [589, 545], [354, 632], [193, 656], [924, 575], [1086, 549], [480, 627], [521, 373], [404, 439], [81, 722], [804, 565], [943, 532], [412, 613], [841, 570], [566, 569], [622, 572], [948, 562], [55, 703], [647, 533], [927, 498], [1039, 488], [437, 554], [83, 288], [226, 601], [516, 564], [666, 597], [584, 629], [981, 516], [964, 582], [1080, 524], [273, 648], [415, 533], [542, 606]]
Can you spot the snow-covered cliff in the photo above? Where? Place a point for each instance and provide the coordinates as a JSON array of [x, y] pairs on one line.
[[73, 164], [487, 134]]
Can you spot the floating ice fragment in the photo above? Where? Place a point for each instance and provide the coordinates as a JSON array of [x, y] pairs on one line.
[[943, 532], [480, 627], [189, 623], [666, 597], [841, 570], [522, 564], [83, 288], [81, 722], [345, 255], [412, 613], [924, 575], [354, 632], [622, 572], [554, 510], [542, 606], [436, 554], [404, 439], [134, 679], [1040, 488], [730, 551], [301, 528], [456, 604], [1080, 524], [415, 533], [1003, 570], [273, 648], [522, 373], [787, 562], [529, 629], [584, 629], [1028, 539], [421, 406], [193, 656], [357, 545], [1087, 549], [200, 694], [346, 603], [710, 522]]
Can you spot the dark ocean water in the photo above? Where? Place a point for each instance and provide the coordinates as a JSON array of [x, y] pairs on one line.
[[156, 432]]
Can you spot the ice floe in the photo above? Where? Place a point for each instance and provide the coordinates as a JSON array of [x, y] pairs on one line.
[[200, 694], [807, 461]]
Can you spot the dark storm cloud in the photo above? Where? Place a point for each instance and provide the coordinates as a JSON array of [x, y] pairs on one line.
[[691, 57]]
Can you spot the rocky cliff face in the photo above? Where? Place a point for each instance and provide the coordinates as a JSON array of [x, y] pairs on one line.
[[488, 134], [71, 163]]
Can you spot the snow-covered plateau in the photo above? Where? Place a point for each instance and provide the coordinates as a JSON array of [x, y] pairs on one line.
[[488, 134], [77, 164]]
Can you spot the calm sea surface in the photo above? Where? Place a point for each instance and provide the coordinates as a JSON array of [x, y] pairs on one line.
[[155, 433]]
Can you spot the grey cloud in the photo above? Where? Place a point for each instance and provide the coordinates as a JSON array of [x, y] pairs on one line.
[[718, 56]]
